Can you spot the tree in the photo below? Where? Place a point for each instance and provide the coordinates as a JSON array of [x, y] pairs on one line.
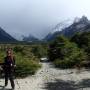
[[65, 53]]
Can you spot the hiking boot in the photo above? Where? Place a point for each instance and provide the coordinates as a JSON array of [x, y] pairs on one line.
[[13, 88], [4, 87]]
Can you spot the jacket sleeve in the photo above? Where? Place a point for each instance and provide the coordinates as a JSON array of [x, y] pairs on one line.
[[4, 62], [14, 62]]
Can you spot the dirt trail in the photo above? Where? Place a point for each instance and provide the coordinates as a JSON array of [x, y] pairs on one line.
[[50, 78]]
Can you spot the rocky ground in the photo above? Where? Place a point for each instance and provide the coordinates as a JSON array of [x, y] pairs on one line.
[[50, 78]]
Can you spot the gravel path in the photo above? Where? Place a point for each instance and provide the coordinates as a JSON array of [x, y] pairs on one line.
[[50, 78]]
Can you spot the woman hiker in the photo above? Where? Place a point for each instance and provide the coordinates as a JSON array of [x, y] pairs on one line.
[[9, 68]]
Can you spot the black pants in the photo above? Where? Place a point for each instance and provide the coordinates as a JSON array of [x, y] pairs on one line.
[[11, 78]]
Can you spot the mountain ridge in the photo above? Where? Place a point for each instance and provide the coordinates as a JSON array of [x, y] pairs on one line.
[[5, 37], [80, 25]]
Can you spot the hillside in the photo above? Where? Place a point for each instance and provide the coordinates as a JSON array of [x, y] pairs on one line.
[[5, 37]]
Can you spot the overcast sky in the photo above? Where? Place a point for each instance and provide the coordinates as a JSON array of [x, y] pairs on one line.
[[35, 16]]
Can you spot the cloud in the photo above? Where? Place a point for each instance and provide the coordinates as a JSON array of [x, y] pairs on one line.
[[35, 16]]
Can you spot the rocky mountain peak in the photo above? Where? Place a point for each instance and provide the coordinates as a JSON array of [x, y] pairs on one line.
[[82, 20]]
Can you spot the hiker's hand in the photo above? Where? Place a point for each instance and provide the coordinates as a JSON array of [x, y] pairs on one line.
[[14, 66], [1, 68]]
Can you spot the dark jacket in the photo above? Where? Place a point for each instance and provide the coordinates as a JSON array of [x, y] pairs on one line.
[[9, 64]]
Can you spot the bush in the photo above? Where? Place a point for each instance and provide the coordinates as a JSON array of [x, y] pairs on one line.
[[82, 40], [64, 63], [39, 50], [26, 68], [18, 49], [65, 54], [27, 64], [71, 61], [56, 48]]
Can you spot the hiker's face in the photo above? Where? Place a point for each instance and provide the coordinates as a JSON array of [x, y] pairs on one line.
[[9, 53]]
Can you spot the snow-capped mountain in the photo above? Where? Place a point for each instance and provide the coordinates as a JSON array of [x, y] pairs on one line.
[[60, 26], [30, 38], [57, 29], [79, 25]]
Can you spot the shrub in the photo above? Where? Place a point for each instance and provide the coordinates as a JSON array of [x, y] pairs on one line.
[[63, 63], [26, 67], [71, 61], [18, 49], [82, 40], [65, 54], [39, 50]]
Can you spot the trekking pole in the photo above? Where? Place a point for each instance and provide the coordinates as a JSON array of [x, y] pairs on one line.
[[17, 83], [16, 80]]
